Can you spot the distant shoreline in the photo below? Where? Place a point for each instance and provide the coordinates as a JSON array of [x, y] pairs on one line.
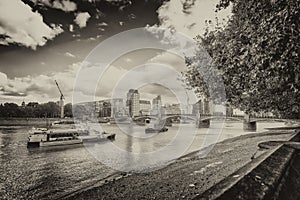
[[26, 121]]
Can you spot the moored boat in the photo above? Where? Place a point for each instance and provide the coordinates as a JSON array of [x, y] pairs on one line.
[[97, 137], [154, 130], [46, 138], [54, 137]]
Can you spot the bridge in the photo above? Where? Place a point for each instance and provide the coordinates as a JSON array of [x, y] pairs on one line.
[[210, 117], [204, 120]]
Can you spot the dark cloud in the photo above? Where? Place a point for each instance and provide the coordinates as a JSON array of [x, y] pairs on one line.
[[103, 23], [64, 5]]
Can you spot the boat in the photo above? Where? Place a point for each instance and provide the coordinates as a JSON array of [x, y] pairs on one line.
[[52, 137], [46, 138], [63, 124], [122, 120], [65, 121], [96, 137], [154, 130], [103, 120]]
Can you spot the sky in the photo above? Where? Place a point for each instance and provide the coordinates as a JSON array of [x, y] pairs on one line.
[[46, 40]]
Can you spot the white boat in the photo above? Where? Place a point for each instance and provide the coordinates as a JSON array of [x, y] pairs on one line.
[[46, 138], [63, 124], [54, 137]]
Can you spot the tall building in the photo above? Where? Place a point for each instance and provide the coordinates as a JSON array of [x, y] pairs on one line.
[[117, 107], [133, 102], [156, 105], [109, 108]]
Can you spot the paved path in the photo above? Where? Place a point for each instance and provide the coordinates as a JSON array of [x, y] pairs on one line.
[[189, 176]]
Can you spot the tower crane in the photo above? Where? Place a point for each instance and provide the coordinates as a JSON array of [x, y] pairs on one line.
[[61, 102]]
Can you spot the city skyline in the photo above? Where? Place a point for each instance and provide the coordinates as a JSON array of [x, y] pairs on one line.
[[135, 105], [146, 96]]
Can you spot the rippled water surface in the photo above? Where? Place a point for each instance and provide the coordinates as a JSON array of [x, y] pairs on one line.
[[51, 173]]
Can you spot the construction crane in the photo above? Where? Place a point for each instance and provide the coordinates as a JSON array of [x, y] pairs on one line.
[[61, 102]]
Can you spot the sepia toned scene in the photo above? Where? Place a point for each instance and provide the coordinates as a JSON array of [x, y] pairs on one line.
[[149, 99]]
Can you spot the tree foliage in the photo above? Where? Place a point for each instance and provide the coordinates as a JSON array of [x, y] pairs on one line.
[[257, 54], [68, 110], [34, 110]]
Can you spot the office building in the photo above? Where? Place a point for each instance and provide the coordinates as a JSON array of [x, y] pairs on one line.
[[145, 107], [133, 102]]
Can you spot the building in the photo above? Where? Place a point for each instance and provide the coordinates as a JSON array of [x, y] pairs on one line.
[[173, 109], [117, 108], [145, 107], [156, 105], [186, 109], [85, 109], [110, 108], [156, 102], [104, 108], [133, 102]]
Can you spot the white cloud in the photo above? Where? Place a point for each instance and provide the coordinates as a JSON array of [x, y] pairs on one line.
[[42, 87], [68, 54], [188, 17], [180, 20], [39, 88], [171, 60], [90, 85], [3, 79], [152, 79], [20, 25], [64, 5], [81, 19]]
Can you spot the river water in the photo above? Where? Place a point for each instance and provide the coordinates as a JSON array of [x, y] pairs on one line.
[[52, 173]]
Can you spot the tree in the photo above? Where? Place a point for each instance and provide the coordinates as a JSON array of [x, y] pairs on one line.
[[257, 54], [68, 110], [50, 109], [10, 110]]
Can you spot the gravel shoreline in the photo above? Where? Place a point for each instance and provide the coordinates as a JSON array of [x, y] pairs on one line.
[[188, 176]]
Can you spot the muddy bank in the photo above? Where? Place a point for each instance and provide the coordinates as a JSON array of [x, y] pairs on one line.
[[189, 176]]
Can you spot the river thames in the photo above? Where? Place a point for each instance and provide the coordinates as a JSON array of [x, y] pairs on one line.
[[53, 173]]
